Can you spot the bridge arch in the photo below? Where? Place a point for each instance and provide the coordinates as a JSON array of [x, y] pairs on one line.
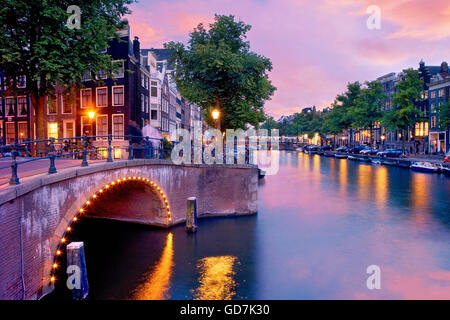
[[35, 215], [74, 216]]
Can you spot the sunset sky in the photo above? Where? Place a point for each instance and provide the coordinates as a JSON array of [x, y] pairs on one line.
[[316, 47]]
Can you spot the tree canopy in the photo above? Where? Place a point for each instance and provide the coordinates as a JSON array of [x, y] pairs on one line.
[[217, 70], [35, 42]]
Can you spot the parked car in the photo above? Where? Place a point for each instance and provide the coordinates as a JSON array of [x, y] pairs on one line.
[[390, 153], [358, 149], [342, 150], [328, 147], [369, 152]]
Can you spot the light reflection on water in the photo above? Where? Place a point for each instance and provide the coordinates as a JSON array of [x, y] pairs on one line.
[[155, 284], [216, 280], [321, 223]]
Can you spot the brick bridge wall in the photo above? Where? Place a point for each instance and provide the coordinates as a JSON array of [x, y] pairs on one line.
[[34, 215]]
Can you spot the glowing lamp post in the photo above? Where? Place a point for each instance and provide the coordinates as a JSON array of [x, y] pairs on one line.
[[216, 115], [91, 115]]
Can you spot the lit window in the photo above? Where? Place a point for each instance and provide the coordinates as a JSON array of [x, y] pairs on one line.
[[53, 130]]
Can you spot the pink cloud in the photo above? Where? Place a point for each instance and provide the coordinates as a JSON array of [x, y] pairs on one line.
[[316, 47]]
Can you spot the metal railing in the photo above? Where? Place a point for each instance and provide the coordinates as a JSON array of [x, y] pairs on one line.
[[82, 148]]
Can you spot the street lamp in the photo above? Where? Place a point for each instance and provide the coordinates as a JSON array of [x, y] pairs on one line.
[[216, 115], [383, 137], [91, 115]]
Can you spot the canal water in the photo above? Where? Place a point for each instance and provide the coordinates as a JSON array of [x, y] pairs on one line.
[[321, 223]]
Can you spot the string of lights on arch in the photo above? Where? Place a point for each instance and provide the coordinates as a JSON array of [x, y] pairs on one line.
[[95, 197]]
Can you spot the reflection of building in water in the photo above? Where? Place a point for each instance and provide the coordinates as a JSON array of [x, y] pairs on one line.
[[216, 278], [156, 283]]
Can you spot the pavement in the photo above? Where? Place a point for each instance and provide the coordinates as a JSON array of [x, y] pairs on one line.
[[33, 168]]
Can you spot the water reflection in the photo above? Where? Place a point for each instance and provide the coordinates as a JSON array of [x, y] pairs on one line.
[[315, 234], [364, 178], [216, 278], [155, 284], [381, 186]]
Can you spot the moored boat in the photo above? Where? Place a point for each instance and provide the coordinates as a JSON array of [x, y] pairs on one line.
[[376, 161], [340, 155], [425, 167], [352, 158], [389, 162], [328, 154]]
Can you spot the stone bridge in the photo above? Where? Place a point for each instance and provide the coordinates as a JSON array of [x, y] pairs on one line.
[[37, 216]]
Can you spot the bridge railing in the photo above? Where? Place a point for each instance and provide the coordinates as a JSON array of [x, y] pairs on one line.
[[83, 148]]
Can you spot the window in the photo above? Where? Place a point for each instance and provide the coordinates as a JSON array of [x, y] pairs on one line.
[[102, 126], [118, 68], [68, 100], [101, 74], [426, 95], [143, 77], [154, 89], [9, 103], [102, 97], [22, 106], [23, 130], [86, 126], [51, 105], [86, 76], [142, 103], [118, 96], [433, 94], [1, 108], [1, 131], [146, 104], [433, 121], [86, 98], [117, 126], [10, 132], [154, 114], [441, 93], [53, 130], [68, 128]]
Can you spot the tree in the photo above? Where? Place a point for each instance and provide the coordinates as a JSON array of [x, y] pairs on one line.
[[269, 124], [404, 113], [367, 108], [36, 43], [444, 116], [340, 117], [217, 70]]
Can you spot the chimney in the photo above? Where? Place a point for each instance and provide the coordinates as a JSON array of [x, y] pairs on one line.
[[137, 49]]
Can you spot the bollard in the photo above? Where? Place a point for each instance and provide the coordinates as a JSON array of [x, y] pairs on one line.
[[52, 168], [84, 163], [191, 214], [130, 148], [110, 159], [14, 178], [76, 269]]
